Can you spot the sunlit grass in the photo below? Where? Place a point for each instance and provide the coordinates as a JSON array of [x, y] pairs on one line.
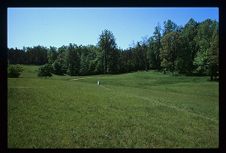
[[134, 110]]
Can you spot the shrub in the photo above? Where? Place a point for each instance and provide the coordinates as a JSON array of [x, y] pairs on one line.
[[59, 67], [14, 71], [45, 70]]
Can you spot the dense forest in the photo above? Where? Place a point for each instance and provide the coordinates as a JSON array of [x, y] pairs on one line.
[[192, 49]]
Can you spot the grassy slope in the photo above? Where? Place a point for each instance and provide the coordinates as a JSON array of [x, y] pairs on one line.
[[142, 109]]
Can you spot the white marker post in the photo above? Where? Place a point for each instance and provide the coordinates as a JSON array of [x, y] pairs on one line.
[[98, 82]]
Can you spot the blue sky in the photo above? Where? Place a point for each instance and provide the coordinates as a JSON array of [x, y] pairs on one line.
[[60, 26]]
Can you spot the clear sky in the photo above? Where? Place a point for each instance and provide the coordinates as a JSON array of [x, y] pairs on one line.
[[60, 26]]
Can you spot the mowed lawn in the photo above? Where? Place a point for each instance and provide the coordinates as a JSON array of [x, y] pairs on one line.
[[134, 110]]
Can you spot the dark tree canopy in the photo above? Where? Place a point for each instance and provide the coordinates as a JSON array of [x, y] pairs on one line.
[[169, 26], [192, 49], [108, 49]]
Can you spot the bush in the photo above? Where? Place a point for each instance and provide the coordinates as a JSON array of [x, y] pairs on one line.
[[59, 67], [45, 70], [14, 71]]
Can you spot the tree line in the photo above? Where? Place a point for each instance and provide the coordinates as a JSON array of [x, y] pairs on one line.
[[192, 49]]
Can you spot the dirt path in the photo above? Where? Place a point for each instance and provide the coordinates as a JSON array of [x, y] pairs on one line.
[[82, 78], [105, 87], [176, 108]]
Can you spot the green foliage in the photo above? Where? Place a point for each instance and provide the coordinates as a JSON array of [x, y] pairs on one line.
[[108, 49], [52, 55], [140, 56], [204, 38], [154, 49], [213, 56], [59, 67], [36, 55], [191, 50], [73, 60], [14, 71], [45, 70], [183, 63], [17, 56], [188, 50], [169, 26], [84, 69], [88, 56], [170, 48]]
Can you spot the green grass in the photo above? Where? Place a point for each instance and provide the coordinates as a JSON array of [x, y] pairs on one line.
[[134, 110]]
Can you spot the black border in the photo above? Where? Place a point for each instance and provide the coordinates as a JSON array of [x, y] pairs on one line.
[[111, 3], [4, 4]]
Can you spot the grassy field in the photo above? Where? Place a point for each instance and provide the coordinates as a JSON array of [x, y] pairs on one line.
[[134, 110]]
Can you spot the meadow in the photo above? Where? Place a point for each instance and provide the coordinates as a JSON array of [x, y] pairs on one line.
[[133, 110]]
